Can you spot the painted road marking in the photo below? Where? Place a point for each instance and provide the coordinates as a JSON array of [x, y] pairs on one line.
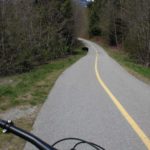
[[122, 110]]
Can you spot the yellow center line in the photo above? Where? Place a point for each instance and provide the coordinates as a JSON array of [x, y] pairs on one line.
[[122, 110]]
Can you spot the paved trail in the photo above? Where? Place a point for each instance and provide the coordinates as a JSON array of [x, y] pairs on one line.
[[81, 105]]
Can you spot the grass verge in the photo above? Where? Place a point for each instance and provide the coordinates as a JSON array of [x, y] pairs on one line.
[[30, 89], [139, 71]]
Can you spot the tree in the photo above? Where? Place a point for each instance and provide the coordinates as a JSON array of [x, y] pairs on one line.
[[125, 23], [34, 32], [94, 19]]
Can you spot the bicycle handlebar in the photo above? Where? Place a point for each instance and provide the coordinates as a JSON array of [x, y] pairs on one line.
[[8, 126]]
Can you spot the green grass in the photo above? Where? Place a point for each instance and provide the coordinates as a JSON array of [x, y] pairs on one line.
[[32, 88], [123, 58], [126, 61]]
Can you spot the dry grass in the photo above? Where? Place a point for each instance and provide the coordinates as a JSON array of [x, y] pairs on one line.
[[11, 142]]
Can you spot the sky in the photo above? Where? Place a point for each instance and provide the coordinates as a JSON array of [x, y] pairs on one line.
[[84, 2]]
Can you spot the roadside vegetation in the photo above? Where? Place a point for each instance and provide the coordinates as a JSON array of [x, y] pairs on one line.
[[125, 27], [32, 87], [33, 32], [125, 24], [28, 90]]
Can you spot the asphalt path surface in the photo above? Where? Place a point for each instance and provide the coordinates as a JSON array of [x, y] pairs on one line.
[[80, 106]]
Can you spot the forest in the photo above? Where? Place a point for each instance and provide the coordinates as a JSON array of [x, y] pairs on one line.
[[124, 23], [33, 32]]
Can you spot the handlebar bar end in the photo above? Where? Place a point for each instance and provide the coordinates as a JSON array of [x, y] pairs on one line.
[[5, 125]]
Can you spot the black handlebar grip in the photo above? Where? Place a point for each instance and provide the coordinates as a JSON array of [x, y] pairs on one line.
[[2, 123]]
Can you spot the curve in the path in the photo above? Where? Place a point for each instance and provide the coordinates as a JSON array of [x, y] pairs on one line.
[[78, 106]]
